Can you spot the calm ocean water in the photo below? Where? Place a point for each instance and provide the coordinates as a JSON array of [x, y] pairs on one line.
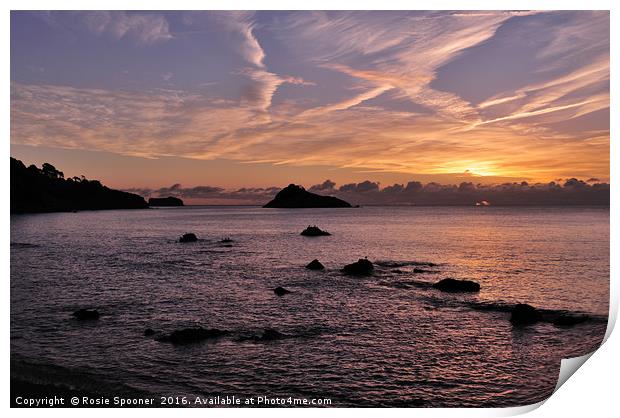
[[386, 339]]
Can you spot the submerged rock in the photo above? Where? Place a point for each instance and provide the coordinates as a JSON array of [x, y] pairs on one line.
[[271, 334], [454, 285], [361, 267], [280, 291], [192, 335], [86, 314], [314, 231], [148, 332], [315, 265], [293, 196], [524, 314], [569, 320], [188, 238], [401, 285]]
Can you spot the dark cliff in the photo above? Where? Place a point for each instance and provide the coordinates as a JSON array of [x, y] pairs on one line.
[[46, 190]]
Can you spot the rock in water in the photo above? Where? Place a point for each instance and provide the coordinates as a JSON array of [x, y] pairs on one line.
[[148, 332], [192, 335], [315, 265], [86, 314], [454, 285], [314, 231], [280, 291], [165, 201], [524, 314], [294, 196], [361, 267], [188, 238]]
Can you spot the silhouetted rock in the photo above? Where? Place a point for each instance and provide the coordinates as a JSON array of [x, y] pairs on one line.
[[569, 320], [165, 201], [226, 240], [361, 267], [148, 332], [314, 231], [294, 196], [192, 335], [524, 314], [418, 270], [454, 285], [315, 265], [188, 238], [280, 291], [86, 314], [47, 190]]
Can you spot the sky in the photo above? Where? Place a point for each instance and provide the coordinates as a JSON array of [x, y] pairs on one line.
[[234, 100]]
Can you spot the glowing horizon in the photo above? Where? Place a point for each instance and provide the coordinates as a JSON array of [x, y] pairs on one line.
[[312, 95]]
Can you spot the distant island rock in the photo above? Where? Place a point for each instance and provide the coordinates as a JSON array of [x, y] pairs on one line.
[[165, 201], [46, 189], [293, 196]]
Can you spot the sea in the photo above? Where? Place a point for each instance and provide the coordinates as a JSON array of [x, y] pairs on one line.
[[388, 339]]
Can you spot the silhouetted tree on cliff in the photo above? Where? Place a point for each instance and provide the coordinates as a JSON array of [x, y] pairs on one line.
[[47, 190]]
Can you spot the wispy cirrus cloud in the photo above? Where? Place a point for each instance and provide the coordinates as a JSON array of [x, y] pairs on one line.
[[264, 83], [558, 94], [389, 110], [143, 28], [173, 123], [403, 52], [241, 24]]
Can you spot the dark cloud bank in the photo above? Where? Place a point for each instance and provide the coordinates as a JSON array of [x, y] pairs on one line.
[[569, 192]]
